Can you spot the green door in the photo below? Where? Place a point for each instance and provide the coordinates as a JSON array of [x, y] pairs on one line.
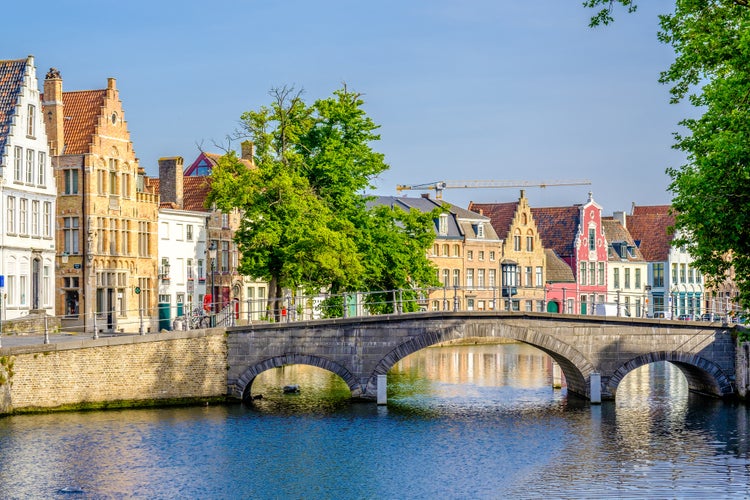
[[552, 307]]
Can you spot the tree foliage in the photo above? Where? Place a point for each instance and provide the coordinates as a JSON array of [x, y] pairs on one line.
[[711, 39], [305, 220]]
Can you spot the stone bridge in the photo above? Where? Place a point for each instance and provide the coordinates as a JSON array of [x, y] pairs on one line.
[[594, 352]]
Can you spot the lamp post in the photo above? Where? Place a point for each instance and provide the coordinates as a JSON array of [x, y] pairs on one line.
[[211, 257]]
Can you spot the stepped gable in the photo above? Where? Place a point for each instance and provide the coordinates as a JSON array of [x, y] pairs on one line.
[[11, 80], [500, 214], [652, 230], [558, 227]]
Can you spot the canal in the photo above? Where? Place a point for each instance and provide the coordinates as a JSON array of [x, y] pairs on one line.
[[478, 421]]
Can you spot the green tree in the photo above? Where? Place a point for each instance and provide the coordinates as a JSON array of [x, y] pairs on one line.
[[305, 220], [711, 39]]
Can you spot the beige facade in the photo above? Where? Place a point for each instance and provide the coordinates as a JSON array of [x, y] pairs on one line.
[[106, 215]]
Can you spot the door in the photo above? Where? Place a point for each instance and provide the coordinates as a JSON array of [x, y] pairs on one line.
[[553, 307]]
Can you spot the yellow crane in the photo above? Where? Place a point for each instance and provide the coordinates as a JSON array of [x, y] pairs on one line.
[[439, 186]]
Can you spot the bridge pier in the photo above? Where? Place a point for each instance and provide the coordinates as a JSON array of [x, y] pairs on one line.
[[382, 389], [556, 376], [596, 388]]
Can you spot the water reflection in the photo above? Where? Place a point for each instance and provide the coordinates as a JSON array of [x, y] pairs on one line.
[[462, 422]]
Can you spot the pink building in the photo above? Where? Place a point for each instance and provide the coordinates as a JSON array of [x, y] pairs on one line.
[[576, 237]]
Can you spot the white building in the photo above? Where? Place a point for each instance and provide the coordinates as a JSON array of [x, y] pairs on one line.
[[27, 196], [627, 279], [182, 260]]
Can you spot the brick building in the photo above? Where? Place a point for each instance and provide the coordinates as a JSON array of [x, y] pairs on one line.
[[106, 214]]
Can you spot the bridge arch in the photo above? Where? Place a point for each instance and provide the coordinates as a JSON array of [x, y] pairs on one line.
[[574, 365], [703, 376], [242, 387]]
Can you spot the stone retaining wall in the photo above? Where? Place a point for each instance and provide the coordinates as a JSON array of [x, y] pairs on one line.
[[743, 370], [93, 373]]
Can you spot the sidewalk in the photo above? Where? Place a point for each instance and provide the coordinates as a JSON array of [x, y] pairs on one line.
[[19, 340]]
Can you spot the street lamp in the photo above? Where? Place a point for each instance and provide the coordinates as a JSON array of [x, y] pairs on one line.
[[211, 257]]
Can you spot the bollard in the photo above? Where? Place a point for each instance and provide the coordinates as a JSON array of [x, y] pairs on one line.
[[46, 330]]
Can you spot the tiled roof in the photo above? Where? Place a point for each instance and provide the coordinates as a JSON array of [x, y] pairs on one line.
[[557, 270], [652, 231], [616, 233], [500, 214], [82, 109], [558, 227], [195, 192], [11, 81], [651, 209]]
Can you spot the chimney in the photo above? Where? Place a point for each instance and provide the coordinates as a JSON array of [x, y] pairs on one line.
[[426, 195], [52, 107], [620, 216], [481, 211], [248, 151], [171, 180]]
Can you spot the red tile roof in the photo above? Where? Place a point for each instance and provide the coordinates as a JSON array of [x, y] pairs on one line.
[[651, 209], [82, 109], [11, 81], [195, 192], [558, 227], [652, 231], [500, 214]]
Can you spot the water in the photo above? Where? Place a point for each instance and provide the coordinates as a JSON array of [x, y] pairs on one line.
[[462, 422]]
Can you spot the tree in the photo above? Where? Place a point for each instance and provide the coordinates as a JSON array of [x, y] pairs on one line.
[[305, 219], [711, 39]]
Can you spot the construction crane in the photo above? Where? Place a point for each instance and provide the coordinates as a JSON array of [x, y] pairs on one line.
[[439, 186]]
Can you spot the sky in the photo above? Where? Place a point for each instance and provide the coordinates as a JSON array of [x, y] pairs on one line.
[[508, 90]]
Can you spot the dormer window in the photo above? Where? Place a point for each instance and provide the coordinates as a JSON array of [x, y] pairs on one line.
[[443, 224], [480, 230]]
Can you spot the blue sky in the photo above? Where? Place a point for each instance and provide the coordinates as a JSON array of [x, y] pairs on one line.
[[486, 89]]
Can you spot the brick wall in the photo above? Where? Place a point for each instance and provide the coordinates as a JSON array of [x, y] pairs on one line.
[[171, 366]]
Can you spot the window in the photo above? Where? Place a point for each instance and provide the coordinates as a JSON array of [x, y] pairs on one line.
[[46, 286], [224, 256], [29, 166], [113, 183], [100, 181], [443, 224], [492, 255], [42, 174], [480, 230], [35, 217], [456, 251], [517, 243], [446, 277], [616, 277], [592, 239], [189, 264], [481, 255], [445, 249], [592, 273], [126, 185], [492, 278], [189, 232], [70, 235], [601, 273], [658, 278], [529, 243], [682, 273], [11, 218], [47, 219], [691, 275], [456, 277], [125, 237], [470, 255], [201, 271], [71, 181], [529, 277], [143, 232], [674, 276], [470, 278], [30, 121], [638, 278], [539, 277], [17, 164], [627, 278], [480, 278], [583, 273], [23, 207], [22, 288], [529, 305], [224, 220]]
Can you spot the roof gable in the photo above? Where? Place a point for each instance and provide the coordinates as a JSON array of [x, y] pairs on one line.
[[205, 162], [501, 215], [82, 109], [12, 74]]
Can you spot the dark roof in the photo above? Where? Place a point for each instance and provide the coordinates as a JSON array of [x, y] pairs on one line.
[[500, 214], [11, 82], [617, 235], [558, 271], [558, 227], [651, 231], [424, 205]]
